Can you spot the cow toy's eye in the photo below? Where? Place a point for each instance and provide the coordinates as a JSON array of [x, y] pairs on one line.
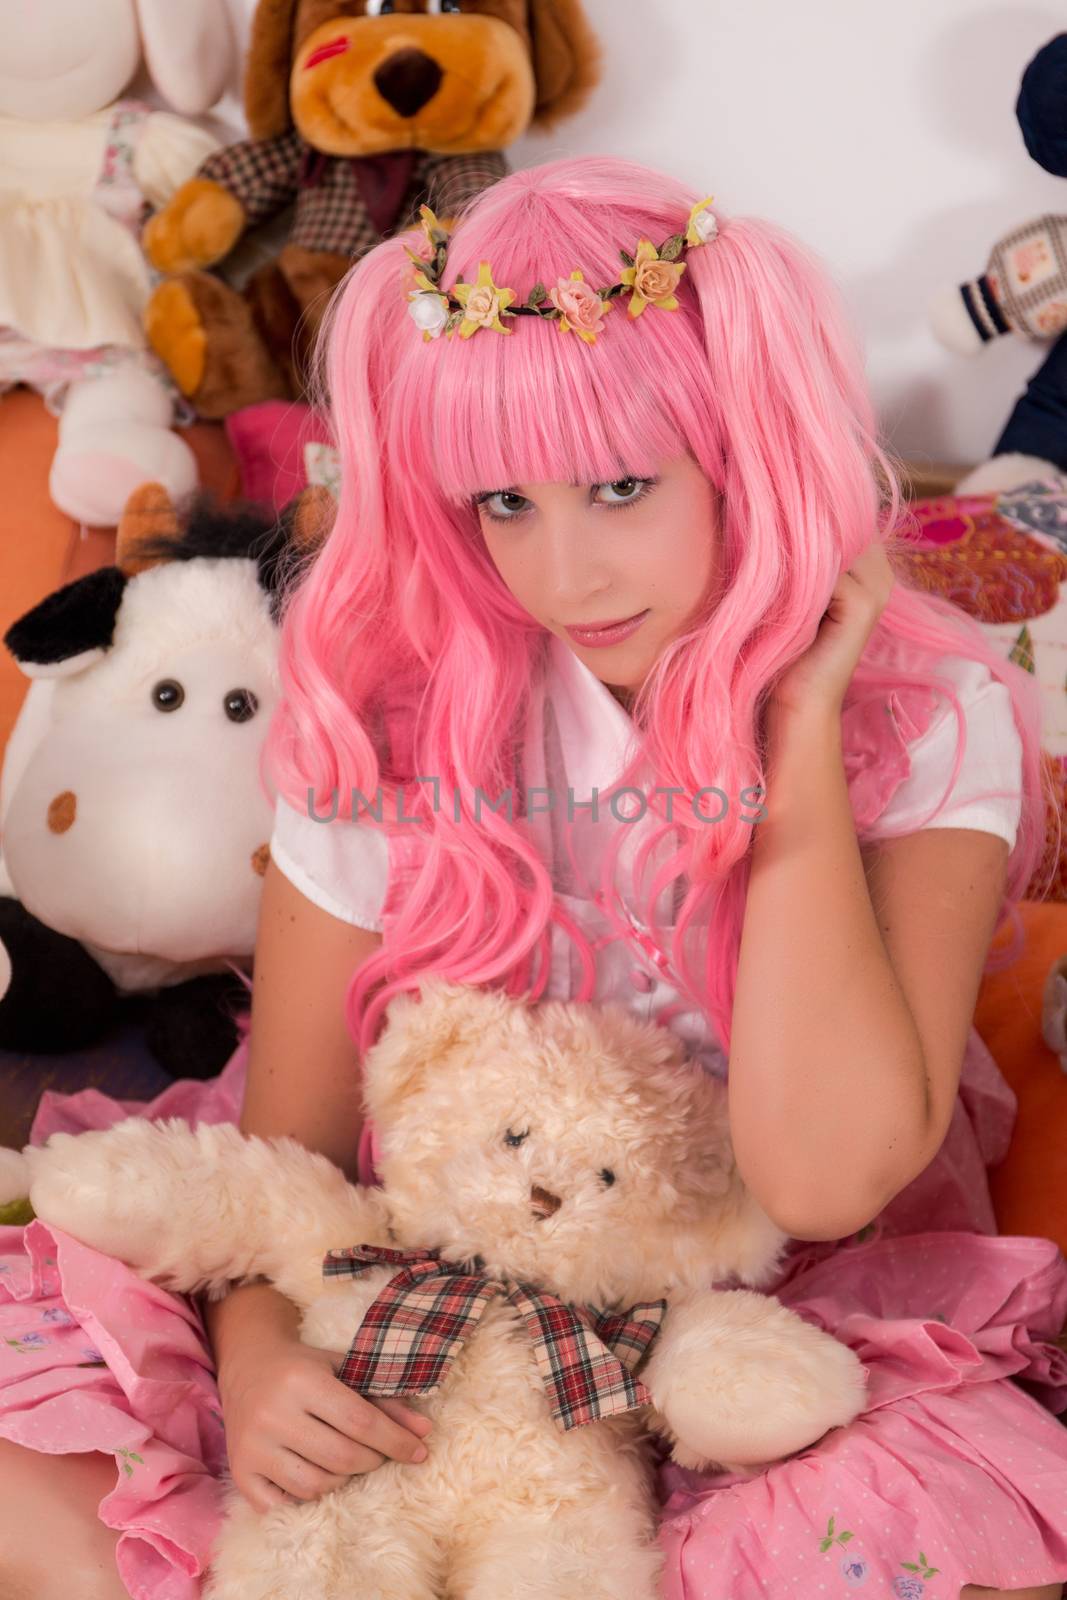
[[515, 1139], [167, 695], [240, 705], [607, 1177]]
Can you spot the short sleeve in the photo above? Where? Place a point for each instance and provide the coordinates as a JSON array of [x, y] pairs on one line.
[[991, 761], [339, 865]]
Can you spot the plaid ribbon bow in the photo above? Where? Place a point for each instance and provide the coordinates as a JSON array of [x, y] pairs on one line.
[[413, 1331]]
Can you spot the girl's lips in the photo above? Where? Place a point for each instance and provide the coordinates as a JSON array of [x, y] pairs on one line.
[[608, 633]]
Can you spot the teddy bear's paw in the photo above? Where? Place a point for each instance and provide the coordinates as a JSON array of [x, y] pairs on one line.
[[14, 1176], [98, 1187], [740, 1380]]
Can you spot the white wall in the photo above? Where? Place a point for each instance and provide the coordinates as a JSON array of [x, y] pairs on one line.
[[882, 132]]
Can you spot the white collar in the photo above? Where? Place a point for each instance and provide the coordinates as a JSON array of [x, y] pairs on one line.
[[597, 734]]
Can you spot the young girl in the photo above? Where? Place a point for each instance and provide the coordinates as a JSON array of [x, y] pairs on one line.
[[780, 804]]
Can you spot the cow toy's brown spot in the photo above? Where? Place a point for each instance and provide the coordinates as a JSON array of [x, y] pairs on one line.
[[260, 858], [62, 811]]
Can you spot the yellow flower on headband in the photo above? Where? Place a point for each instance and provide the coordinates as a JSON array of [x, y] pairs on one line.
[[482, 303], [652, 279], [703, 224]]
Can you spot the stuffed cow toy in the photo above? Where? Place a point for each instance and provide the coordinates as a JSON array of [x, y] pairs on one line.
[[360, 111], [558, 1267], [133, 827]]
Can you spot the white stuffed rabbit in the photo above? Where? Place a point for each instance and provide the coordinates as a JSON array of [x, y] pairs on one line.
[[79, 168]]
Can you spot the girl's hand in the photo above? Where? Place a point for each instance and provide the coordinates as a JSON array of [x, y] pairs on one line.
[[817, 681], [294, 1431]]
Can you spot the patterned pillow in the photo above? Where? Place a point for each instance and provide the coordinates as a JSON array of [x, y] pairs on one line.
[[1003, 559]]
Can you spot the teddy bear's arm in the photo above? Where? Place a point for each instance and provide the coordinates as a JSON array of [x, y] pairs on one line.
[[738, 1380], [196, 1209], [234, 189]]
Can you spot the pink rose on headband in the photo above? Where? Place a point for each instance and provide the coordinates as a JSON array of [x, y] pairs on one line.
[[652, 279], [483, 306], [580, 307], [657, 280]]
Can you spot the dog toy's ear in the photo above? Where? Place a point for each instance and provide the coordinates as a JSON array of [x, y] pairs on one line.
[[269, 68], [567, 59], [188, 46]]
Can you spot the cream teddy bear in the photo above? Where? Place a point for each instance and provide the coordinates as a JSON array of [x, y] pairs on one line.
[[557, 1179]]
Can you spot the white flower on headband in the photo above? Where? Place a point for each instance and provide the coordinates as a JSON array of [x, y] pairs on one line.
[[703, 224], [430, 313]]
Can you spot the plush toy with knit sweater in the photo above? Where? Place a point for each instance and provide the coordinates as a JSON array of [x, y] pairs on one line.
[[360, 111], [1023, 290]]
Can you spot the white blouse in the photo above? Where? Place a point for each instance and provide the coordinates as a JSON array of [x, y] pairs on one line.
[[580, 739]]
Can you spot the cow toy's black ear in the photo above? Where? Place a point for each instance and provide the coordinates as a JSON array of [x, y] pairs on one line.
[[71, 628]]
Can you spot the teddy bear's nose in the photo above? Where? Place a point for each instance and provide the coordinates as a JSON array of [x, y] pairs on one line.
[[544, 1204]]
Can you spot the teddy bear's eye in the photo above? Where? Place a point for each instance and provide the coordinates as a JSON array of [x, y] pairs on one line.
[[607, 1177], [515, 1139]]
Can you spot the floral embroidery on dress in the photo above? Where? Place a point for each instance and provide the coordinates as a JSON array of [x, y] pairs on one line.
[[855, 1570], [128, 1456], [832, 1537], [27, 1342]]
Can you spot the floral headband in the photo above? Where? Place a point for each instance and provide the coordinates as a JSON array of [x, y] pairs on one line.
[[651, 276]]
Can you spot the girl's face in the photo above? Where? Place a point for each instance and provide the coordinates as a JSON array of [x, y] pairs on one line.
[[638, 550]]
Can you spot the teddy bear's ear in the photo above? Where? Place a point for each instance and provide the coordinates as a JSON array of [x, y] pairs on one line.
[[567, 59], [268, 68], [420, 1032]]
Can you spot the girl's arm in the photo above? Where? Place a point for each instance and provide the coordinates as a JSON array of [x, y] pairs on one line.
[[858, 972], [857, 979], [290, 1424], [303, 1072]]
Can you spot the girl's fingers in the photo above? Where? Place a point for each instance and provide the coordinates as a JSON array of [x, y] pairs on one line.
[[324, 1447], [302, 1479], [262, 1495], [405, 1416]]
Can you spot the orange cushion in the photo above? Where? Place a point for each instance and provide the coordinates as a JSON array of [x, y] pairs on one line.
[[40, 548], [1030, 1186]]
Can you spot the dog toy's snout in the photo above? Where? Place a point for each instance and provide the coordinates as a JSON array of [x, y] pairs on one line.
[[543, 1204], [407, 81]]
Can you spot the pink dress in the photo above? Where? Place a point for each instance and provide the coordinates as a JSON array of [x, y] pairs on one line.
[[955, 1473]]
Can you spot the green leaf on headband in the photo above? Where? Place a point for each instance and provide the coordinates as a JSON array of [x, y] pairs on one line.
[[673, 248], [551, 316], [616, 289], [538, 294], [627, 259]]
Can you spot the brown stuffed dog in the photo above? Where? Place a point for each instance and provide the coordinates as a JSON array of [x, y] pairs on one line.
[[360, 111]]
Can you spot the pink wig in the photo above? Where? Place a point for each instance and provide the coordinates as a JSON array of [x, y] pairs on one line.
[[403, 654]]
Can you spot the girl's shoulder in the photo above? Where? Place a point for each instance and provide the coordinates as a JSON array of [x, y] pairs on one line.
[[337, 864], [987, 791]]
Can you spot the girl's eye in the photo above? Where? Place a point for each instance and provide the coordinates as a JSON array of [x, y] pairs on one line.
[[509, 505], [512, 504], [515, 1139], [629, 490], [440, 7], [380, 8]]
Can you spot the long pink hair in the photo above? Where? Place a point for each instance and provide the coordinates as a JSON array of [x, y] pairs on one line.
[[404, 655]]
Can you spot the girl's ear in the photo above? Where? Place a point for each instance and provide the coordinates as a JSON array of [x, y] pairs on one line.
[[269, 67], [188, 46], [567, 59]]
